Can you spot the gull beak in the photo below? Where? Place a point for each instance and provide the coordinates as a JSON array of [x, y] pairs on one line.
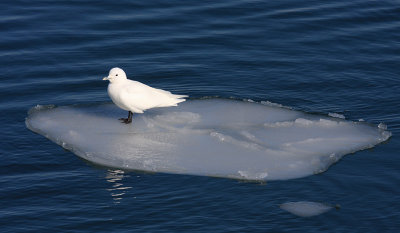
[[106, 78]]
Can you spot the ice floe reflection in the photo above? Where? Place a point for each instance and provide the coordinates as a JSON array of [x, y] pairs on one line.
[[117, 189]]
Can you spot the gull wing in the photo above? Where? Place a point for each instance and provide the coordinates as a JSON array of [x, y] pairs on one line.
[[139, 97]]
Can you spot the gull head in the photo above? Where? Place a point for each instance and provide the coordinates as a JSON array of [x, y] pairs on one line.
[[116, 74]]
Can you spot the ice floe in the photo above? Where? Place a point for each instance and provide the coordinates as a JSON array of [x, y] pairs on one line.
[[306, 208], [214, 137]]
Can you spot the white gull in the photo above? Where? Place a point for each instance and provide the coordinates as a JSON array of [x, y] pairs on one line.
[[136, 97]]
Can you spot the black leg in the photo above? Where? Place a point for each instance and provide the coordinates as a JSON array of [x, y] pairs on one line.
[[130, 114], [127, 120]]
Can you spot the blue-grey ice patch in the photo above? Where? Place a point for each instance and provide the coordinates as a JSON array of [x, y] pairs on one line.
[[214, 137], [305, 208], [337, 115]]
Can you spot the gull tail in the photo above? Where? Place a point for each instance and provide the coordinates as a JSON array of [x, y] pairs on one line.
[[180, 96], [178, 99]]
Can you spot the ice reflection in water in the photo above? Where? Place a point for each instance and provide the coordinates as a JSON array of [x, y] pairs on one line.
[[118, 189]]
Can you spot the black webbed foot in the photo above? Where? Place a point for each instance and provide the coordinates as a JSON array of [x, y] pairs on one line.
[[127, 120]]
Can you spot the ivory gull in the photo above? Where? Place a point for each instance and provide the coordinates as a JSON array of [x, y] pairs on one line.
[[137, 97]]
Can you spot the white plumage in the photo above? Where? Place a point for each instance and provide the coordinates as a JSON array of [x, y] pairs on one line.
[[137, 97]]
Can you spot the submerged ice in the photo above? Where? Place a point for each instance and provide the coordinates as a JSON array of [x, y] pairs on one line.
[[306, 208], [215, 137]]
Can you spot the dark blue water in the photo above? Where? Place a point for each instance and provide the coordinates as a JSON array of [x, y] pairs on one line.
[[315, 56]]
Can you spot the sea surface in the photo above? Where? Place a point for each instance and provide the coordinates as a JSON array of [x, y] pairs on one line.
[[321, 57]]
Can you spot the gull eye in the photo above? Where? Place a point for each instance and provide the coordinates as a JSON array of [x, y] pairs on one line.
[[116, 75]]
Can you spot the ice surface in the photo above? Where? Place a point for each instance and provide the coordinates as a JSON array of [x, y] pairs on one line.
[[215, 137], [337, 115], [305, 208]]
